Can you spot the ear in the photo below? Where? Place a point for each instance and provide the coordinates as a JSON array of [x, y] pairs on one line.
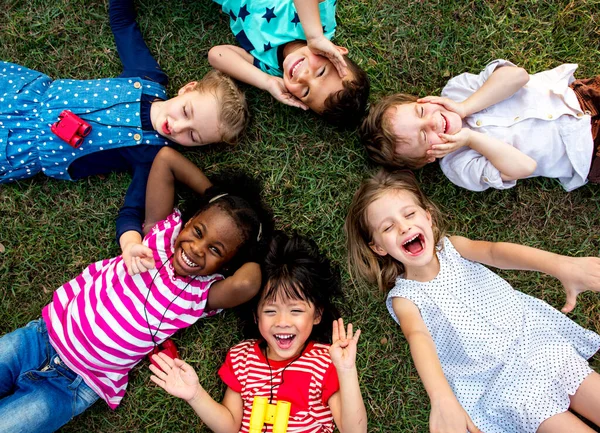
[[377, 249], [342, 50], [318, 315], [188, 87], [430, 159], [429, 217]]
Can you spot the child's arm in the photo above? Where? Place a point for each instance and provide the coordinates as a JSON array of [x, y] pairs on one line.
[[180, 380], [310, 19], [446, 412], [236, 289], [504, 82], [510, 161], [237, 63], [168, 167], [577, 274], [347, 406]]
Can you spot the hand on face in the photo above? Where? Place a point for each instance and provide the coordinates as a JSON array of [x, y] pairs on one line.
[[324, 47], [447, 103], [277, 89], [452, 143], [343, 345], [175, 376]]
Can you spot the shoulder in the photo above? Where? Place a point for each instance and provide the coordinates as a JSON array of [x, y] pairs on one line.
[[242, 349]]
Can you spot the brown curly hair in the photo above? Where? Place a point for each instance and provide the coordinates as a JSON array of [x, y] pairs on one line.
[[379, 139]]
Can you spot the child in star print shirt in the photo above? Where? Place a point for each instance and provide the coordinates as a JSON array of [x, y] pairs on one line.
[[288, 359], [285, 49], [131, 118]]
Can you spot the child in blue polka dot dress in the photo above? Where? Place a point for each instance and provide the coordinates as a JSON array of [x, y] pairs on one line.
[[492, 359], [285, 49], [131, 118]]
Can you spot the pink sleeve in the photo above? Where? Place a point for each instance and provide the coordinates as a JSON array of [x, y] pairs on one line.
[[228, 376], [331, 384]]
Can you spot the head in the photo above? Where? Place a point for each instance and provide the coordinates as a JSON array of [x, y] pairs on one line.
[[226, 231], [295, 304], [208, 111], [399, 131], [391, 225], [315, 81]]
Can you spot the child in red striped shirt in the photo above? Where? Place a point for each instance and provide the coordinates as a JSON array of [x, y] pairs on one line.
[[290, 360]]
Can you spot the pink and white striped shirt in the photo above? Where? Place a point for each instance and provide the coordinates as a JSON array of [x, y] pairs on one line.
[[97, 321]]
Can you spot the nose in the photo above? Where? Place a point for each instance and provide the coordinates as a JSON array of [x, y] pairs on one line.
[[281, 320], [178, 126]]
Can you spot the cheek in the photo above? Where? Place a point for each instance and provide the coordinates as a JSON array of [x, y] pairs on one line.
[[433, 138]]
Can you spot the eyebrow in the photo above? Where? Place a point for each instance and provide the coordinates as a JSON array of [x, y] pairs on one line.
[[217, 243]]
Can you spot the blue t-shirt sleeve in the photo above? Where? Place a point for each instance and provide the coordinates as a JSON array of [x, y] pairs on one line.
[[134, 53]]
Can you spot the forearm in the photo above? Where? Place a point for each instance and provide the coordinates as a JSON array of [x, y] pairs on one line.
[[354, 414], [236, 289], [510, 161], [502, 84], [129, 237], [238, 64], [310, 19], [216, 416]]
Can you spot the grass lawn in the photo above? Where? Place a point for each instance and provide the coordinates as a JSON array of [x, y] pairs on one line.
[[51, 230]]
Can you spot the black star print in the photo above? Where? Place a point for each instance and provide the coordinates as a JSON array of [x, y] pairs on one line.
[[324, 31], [269, 14], [296, 19], [232, 15], [243, 13], [267, 47]]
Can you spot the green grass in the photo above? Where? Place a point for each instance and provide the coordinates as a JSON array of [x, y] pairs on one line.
[[51, 230]]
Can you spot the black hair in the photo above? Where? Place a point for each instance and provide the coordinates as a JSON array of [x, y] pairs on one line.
[[238, 195], [294, 268]]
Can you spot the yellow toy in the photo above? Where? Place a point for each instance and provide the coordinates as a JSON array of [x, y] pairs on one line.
[[263, 412]]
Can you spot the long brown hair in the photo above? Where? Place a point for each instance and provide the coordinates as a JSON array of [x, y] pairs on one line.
[[362, 261]]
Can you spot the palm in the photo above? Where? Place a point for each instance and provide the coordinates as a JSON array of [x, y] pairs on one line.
[[343, 345], [175, 376]]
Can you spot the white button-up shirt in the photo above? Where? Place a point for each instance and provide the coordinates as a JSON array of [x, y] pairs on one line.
[[543, 120]]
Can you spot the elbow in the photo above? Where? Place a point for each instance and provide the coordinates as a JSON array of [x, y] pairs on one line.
[[215, 55], [526, 169], [521, 76]]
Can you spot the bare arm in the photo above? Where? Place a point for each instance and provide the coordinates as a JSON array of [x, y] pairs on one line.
[[236, 289], [446, 412], [577, 274], [168, 167]]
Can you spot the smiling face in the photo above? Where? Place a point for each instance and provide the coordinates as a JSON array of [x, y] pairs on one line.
[[311, 78], [190, 119], [403, 229], [417, 127], [206, 243], [285, 324]]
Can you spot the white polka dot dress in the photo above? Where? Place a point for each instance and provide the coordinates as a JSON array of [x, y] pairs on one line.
[[511, 359]]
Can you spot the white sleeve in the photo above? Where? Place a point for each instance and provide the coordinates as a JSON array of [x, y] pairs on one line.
[[469, 169], [464, 85]]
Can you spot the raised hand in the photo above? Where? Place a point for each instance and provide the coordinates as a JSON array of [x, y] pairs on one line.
[[138, 258], [322, 46], [447, 103], [175, 376], [343, 345], [278, 90], [452, 143], [448, 416], [578, 274]]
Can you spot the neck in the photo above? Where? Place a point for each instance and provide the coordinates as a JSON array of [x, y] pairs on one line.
[[290, 47], [154, 111], [423, 273]]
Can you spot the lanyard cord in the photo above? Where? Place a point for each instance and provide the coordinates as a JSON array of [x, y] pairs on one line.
[[282, 371], [153, 336]]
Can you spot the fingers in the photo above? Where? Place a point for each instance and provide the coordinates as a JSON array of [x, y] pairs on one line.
[[164, 362], [335, 333], [158, 373], [340, 64], [342, 331], [356, 336], [293, 102], [570, 303], [158, 381], [472, 428]]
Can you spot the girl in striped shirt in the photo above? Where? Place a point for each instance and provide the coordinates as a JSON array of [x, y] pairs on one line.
[[289, 361], [102, 323]]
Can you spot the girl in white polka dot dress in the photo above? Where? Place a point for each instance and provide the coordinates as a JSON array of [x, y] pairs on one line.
[[491, 358]]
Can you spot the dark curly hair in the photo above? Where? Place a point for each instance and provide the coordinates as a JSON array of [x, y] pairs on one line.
[[345, 108], [295, 269]]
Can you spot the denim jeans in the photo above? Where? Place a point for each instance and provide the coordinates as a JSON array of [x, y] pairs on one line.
[[38, 392]]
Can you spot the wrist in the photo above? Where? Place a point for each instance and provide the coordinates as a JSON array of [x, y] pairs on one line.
[[197, 397]]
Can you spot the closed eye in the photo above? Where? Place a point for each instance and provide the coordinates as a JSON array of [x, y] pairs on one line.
[[410, 215], [387, 229], [306, 92], [422, 111], [321, 72], [198, 232], [185, 112]]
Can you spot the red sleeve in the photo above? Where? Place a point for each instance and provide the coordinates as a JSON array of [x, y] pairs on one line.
[[228, 375], [331, 384]]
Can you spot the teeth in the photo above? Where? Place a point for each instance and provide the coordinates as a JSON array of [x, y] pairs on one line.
[[284, 336], [443, 124], [411, 239], [296, 68], [187, 260]]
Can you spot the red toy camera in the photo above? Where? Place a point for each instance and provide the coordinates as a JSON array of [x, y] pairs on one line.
[[71, 128], [167, 347]]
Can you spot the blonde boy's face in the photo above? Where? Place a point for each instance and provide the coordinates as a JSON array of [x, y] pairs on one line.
[[417, 127], [190, 119], [311, 78]]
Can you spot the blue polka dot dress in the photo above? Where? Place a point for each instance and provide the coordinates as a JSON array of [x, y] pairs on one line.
[[511, 359]]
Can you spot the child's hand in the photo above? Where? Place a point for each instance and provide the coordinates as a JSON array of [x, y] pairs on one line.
[[322, 46], [278, 90], [578, 274], [175, 376], [447, 103], [138, 258], [343, 346], [452, 142], [448, 416]]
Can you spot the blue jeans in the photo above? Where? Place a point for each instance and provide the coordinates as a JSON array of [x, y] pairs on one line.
[[38, 392]]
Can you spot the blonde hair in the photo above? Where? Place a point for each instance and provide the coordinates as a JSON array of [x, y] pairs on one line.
[[379, 139], [234, 116], [362, 261]]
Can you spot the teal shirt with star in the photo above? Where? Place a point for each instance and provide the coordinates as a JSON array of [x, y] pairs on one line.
[[262, 27]]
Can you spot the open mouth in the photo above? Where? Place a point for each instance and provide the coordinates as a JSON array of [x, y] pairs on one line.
[[294, 67], [444, 124], [189, 262], [284, 341], [165, 128], [415, 245]]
